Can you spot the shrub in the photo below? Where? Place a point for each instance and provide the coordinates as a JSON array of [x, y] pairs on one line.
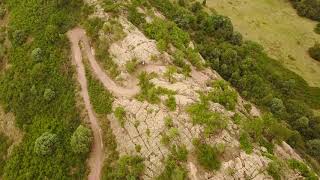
[[174, 169], [37, 54], [200, 114], [170, 71], [277, 106], [314, 51], [100, 97], [274, 169], [245, 143], [148, 91], [127, 167], [168, 122], [48, 94], [81, 140], [302, 168], [314, 147], [120, 114], [223, 94], [171, 103], [135, 17], [194, 58], [45, 144], [131, 66], [18, 37], [207, 155]]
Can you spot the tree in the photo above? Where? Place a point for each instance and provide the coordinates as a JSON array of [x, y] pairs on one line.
[[81, 140], [45, 144], [314, 147], [276, 106], [301, 123], [317, 29], [48, 94], [18, 37], [36, 54]]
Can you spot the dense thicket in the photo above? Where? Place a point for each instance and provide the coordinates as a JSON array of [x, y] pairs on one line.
[[307, 8], [257, 77], [39, 89]]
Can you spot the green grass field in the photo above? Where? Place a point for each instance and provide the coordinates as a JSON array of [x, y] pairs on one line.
[[276, 26]]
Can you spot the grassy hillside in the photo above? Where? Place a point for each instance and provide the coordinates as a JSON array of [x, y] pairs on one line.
[[278, 28]]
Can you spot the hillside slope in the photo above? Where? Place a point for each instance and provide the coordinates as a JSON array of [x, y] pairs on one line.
[[160, 120], [275, 25]]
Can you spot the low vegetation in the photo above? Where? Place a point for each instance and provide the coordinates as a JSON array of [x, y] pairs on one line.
[[131, 66], [149, 91], [4, 146], [201, 114], [100, 97], [302, 169], [171, 103], [174, 164], [120, 114], [127, 167], [207, 156], [223, 94], [257, 77], [275, 169]]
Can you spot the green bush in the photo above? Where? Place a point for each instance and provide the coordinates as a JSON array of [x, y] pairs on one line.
[[174, 169], [148, 91], [127, 167], [207, 155], [120, 114], [314, 147], [170, 71], [314, 51], [274, 169], [302, 168], [135, 17], [171, 103], [100, 97], [131, 66], [168, 122], [245, 143], [81, 140], [45, 144], [201, 114], [223, 94]]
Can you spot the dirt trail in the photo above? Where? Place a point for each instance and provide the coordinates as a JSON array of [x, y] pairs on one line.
[[75, 36], [96, 155]]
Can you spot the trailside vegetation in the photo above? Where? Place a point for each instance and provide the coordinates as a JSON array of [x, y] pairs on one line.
[[40, 90], [257, 77]]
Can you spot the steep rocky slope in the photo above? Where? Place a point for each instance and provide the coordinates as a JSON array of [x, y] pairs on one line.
[[149, 127]]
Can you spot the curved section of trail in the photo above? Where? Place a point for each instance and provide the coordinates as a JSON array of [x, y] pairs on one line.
[[76, 35]]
